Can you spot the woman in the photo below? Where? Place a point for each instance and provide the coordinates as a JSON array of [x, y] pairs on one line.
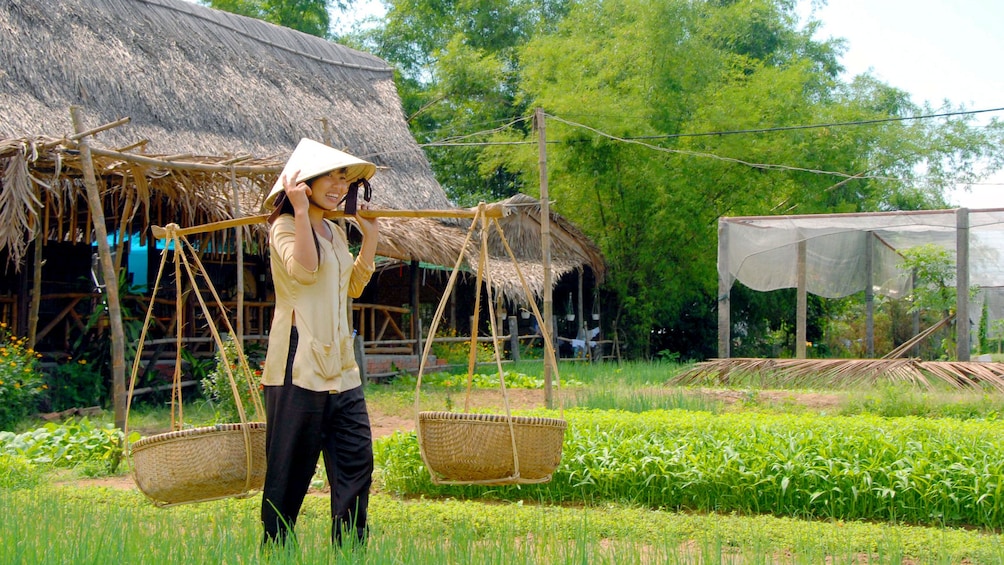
[[313, 395]]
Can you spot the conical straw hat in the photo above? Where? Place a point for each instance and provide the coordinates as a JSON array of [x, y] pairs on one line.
[[314, 159]]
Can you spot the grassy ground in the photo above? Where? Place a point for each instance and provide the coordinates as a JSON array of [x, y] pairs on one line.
[[450, 531]]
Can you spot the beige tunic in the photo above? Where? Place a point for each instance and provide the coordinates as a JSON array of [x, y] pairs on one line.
[[317, 301]]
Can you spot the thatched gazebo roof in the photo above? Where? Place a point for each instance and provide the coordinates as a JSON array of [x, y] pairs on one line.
[[215, 102]]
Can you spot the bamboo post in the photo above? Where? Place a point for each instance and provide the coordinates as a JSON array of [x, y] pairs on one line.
[[36, 286], [239, 245], [108, 271]]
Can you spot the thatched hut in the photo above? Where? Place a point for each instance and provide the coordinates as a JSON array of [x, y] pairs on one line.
[[214, 102]]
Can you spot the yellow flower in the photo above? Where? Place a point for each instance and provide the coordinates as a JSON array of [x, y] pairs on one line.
[[13, 364], [17, 385], [3, 324], [82, 362], [45, 387]]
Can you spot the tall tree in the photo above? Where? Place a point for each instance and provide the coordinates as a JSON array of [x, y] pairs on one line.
[[647, 76], [663, 116], [308, 16], [459, 74]]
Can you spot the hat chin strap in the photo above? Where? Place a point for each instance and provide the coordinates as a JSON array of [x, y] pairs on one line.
[[351, 196]]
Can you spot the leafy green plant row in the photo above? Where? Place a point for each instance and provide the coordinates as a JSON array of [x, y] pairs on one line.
[[74, 443], [923, 471]]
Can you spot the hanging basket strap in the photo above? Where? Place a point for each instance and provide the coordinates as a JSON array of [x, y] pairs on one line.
[[483, 274], [174, 235]]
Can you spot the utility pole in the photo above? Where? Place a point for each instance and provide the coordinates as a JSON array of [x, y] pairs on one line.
[[545, 244]]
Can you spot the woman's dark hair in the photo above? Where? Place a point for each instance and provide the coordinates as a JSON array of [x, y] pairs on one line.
[[284, 206]]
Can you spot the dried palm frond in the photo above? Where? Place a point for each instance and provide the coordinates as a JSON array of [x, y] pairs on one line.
[[839, 373]]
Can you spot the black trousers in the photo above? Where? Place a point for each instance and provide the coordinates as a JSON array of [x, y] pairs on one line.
[[303, 424]]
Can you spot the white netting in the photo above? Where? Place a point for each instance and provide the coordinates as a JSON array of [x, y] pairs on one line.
[[762, 252]]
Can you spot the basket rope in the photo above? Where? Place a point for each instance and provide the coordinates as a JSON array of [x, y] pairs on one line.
[[483, 275], [181, 246]]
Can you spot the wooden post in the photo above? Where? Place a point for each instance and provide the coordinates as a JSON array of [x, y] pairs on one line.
[[724, 286], [514, 338], [801, 309], [915, 318], [107, 270], [415, 328], [453, 308], [545, 245], [579, 313], [962, 345]]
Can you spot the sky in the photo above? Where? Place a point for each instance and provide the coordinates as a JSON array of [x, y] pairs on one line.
[[934, 50]]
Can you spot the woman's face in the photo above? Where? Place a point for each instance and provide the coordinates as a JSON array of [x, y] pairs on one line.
[[326, 191]]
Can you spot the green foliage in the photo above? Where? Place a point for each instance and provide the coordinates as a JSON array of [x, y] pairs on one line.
[[72, 444], [95, 343], [444, 379], [640, 400], [218, 387], [75, 383], [942, 472], [458, 352], [308, 16], [20, 380], [16, 472], [398, 461], [934, 272], [892, 401]]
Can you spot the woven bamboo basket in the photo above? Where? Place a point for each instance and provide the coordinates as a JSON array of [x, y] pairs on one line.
[[487, 449], [200, 464], [478, 448], [207, 463]]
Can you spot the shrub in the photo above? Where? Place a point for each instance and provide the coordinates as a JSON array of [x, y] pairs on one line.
[[458, 352], [74, 383], [216, 385], [16, 472], [20, 380]]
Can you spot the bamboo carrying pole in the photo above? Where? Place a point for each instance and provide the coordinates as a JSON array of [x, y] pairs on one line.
[[491, 211]]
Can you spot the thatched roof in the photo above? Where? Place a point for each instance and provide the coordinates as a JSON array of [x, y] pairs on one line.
[[199, 81], [211, 98], [432, 241]]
